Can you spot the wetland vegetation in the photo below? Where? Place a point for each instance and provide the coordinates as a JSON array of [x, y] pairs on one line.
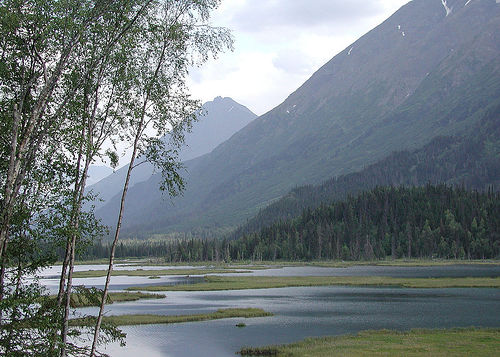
[[213, 283], [419, 342], [83, 300], [150, 319], [151, 273]]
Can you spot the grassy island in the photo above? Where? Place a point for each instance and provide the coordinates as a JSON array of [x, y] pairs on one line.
[[448, 342], [126, 320], [78, 300], [151, 273], [212, 283]]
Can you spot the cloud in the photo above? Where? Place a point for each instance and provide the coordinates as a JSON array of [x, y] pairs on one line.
[[261, 16], [293, 60]]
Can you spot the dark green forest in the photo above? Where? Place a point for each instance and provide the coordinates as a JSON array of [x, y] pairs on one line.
[[399, 222], [301, 225], [471, 160]]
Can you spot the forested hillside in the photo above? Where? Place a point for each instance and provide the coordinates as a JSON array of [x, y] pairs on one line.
[[430, 221], [423, 222], [471, 161]]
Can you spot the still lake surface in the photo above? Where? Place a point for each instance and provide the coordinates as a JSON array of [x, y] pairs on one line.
[[299, 312]]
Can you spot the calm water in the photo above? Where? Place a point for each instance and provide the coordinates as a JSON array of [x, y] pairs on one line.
[[299, 312], [121, 282]]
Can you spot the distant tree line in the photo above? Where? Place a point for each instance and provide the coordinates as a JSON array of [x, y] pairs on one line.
[[418, 222]]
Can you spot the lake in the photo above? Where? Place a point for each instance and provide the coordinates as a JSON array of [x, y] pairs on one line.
[[300, 312]]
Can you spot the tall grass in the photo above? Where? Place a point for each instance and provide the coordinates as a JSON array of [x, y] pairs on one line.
[[124, 320], [212, 283], [420, 342]]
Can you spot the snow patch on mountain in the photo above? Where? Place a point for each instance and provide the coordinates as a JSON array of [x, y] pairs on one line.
[[448, 10]]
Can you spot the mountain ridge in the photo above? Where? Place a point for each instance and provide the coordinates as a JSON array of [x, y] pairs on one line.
[[388, 91], [213, 126]]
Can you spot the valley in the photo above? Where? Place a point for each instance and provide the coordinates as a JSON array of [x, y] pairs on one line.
[[146, 210]]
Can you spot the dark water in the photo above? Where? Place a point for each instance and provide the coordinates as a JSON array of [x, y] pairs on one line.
[[299, 313], [310, 311]]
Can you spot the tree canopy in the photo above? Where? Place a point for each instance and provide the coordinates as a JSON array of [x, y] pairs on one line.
[[77, 77]]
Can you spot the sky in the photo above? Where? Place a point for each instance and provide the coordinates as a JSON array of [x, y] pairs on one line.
[[279, 44]]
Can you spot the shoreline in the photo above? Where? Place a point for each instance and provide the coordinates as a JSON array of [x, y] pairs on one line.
[[218, 283]]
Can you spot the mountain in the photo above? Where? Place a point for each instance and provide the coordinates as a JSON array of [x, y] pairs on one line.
[[97, 173], [471, 161], [218, 121], [431, 69], [224, 117]]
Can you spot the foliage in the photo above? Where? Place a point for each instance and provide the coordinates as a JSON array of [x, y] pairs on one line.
[[75, 75]]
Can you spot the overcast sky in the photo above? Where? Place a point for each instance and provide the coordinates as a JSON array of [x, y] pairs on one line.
[[279, 44]]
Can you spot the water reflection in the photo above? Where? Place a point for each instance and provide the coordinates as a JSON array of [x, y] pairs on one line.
[[303, 312], [299, 312]]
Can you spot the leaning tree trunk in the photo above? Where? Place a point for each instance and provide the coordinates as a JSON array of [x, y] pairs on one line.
[[117, 235], [138, 134]]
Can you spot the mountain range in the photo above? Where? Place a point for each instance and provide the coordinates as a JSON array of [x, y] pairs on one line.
[[217, 121], [432, 69]]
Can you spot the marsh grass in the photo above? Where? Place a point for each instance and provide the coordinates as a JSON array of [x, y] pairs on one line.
[[152, 273], [390, 262], [405, 263], [259, 265], [419, 342], [213, 283], [127, 320], [79, 300]]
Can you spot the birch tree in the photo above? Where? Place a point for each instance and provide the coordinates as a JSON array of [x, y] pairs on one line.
[[48, 66], [174, 37]]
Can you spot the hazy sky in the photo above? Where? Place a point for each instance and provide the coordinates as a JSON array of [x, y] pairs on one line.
[[279, 44]]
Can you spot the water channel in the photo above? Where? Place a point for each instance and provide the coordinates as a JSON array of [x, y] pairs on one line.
[[299, 312]]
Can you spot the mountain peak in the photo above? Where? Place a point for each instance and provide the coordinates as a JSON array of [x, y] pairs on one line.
[[222, 118], [220, 99]]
